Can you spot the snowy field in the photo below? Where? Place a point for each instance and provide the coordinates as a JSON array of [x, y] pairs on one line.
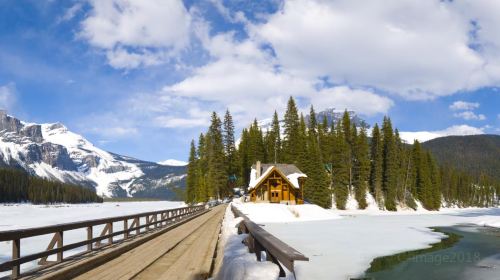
[[343, 245], [17, 216]]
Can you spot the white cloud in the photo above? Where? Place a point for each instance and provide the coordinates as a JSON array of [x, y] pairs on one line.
[[172, 122], [108, 125], [246, 79], [7, 97], [123, 59], [140, 25], [423, 136], [469, 115], [161, 110], [418, 49], [361, 101], [71, 12], [463, 105]]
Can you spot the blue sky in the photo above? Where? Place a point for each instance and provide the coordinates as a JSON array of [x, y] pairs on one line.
[[140, 78]]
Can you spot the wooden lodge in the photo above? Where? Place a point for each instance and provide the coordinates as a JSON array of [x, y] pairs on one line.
[[276, 183]]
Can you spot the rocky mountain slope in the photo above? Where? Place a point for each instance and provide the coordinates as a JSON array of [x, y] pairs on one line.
[[52, 151]]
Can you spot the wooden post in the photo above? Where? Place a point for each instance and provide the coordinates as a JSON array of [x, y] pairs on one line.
[[110, 231], [250, 241], [16, 253], [59, 245], [258, 250], [147, 222], [125, 228], [90, 235], [274, 260], [137, 222]]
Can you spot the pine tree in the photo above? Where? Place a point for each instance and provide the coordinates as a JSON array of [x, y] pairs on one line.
[[389, 169], [191, 178], [423, 183], [340, 167], [273, 141], [376, 166], [316, 188], [244, 157], [348, 133], [361, 168], [257, 149], [217, 179], [291, 141], [301, 161], [230, 149], [435, 191], [325, 143]]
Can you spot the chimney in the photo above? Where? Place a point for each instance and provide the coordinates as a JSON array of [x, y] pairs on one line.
[[257, 168]]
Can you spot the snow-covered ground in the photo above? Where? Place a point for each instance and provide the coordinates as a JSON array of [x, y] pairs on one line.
[[17, 216], [282, 213], [237, 263], [343, 245]]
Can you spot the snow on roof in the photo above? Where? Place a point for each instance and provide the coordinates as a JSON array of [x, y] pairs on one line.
[[292, 177], [253, 177]]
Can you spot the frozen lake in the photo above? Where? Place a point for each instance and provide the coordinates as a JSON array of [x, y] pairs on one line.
[[17, 216], [343, 243], [343, 248]]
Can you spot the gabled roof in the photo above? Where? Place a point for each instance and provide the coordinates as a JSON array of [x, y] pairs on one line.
[[289, 171], [285, 168]]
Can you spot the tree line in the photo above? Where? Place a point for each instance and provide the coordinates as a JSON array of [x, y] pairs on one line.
[[19, 186], [339, 159]]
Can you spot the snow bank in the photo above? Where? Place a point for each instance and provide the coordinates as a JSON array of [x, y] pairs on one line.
[[282, 213], [18, 216], [237, 263], [347, 246]]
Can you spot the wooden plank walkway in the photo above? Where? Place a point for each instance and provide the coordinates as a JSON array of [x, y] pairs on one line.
[[184, 252]]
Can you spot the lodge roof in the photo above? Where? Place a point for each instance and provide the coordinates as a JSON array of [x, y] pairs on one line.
[[291, 172], [285, 168]]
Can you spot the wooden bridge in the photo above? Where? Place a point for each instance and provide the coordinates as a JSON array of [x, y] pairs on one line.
[[170, 244]]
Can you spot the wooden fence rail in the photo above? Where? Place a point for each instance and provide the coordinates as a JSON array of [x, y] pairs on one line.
[[259, 240], [131, 227]]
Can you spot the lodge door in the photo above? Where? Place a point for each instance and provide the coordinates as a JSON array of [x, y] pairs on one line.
[[275, 196]]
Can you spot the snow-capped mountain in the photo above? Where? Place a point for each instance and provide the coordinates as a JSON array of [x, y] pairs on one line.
[[52, 151], [332, 115], [173, 162]]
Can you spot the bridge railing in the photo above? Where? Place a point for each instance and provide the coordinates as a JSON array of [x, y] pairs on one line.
[[133, 225], [259, 240]]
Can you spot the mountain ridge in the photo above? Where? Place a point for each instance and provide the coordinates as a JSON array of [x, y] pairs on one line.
[[52, 151], [475, 154]]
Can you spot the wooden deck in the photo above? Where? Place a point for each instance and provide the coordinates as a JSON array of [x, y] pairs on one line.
[[184, 252]]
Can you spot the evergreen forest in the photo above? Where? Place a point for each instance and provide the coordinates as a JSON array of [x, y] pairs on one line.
[[340, 160], [19, 186]]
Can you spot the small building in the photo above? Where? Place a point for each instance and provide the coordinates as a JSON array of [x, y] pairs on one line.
[[276, 183]]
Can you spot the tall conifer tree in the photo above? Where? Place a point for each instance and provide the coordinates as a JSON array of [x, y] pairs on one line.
[[291, 141], [217, 178], [361, 168], [340, 167], [389, 170], [230, 148], [191, 178], [376, 166]]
